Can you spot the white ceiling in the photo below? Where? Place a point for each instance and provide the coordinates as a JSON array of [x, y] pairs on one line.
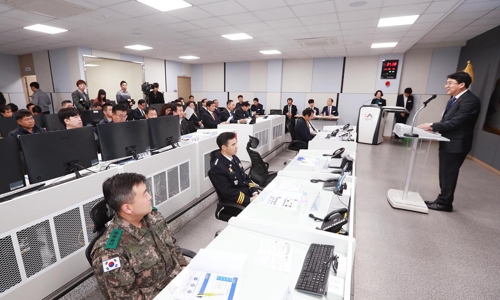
[[275, 24]]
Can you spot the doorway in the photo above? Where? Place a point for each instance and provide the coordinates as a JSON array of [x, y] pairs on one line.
[[184, 87], [26, 87]]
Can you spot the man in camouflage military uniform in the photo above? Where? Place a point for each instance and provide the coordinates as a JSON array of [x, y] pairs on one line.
[[228, 174], [136, 257]]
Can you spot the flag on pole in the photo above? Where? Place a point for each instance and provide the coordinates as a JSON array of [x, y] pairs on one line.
[[469, 70]]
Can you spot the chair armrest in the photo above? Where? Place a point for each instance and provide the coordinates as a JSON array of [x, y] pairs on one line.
[[233, 205], [267, 165], [297, 143], [188, 253]]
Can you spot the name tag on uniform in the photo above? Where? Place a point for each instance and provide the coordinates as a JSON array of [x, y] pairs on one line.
[[236, 182], [111, 264]]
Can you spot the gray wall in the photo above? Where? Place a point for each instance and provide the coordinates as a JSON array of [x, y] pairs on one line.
[[484, 53]]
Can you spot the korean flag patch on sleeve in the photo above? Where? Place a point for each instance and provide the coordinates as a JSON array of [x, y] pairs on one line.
[[111, 264]]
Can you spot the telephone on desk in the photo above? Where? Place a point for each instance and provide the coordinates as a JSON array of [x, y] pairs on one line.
[[333, 221], [337, 153]]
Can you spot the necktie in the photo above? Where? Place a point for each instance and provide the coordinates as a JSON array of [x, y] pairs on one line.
[[329, 110], [289, 108], [142, 112], [450, 104], [213, 116]]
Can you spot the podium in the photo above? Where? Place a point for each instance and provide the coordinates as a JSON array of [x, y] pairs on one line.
[[371, 122], [404, 198]]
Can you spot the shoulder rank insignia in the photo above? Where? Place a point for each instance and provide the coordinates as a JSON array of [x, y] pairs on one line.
[[114, 238]]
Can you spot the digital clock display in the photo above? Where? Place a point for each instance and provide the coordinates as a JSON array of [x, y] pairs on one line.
[[389, 69]]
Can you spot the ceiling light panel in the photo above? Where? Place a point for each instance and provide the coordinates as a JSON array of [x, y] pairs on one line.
[[166, 5], [138, 47], [269, 52], [45, 29], [397, 21], [189, 57], [237, 36], [384, 45]]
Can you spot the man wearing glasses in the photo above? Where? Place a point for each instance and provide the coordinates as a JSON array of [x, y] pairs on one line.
[[119, 113], [457, 124]]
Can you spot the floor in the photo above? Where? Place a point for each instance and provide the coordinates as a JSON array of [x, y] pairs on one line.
[[401, 254]]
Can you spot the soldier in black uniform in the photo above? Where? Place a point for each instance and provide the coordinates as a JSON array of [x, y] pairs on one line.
[[228, 175]]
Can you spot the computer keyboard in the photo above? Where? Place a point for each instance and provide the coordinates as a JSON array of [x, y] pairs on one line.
[[21, 191], [313, 278]]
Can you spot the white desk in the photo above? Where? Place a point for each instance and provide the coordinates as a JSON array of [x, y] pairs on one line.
[[243, 236], [277, 132], [320, 170], [320, 142]]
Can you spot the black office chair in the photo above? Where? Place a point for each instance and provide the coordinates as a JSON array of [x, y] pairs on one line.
[[259, 171], [294, 145], [225, 209], [101, 214]]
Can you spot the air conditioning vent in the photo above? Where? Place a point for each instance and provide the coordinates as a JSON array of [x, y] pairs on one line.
[[51, 8], [318, 42]]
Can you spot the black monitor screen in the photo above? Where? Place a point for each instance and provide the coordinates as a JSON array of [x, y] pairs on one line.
[[158, 107], [58, 153], [91, 117], [39, 121], [119, 140], [7, 125], [52, 122], [11, 170], [163, 131]]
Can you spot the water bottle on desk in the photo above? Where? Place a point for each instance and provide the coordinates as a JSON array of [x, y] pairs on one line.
[[303, 203]]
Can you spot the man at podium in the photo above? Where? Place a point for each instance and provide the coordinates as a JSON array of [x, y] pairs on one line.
[[457, 124]]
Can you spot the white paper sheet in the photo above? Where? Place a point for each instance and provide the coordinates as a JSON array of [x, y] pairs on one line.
[[289, 200], [289, 185], [274, 255]]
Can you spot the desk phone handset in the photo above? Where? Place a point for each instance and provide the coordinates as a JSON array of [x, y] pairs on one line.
[[334, 133], [338, 153], [334, 221], [346, 126]]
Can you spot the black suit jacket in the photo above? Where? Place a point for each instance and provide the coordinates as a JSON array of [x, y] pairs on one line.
[[156, 98], [259, 109], [302, 132], [239, 114], [209, 122], [316, 110], [225, 114], [401, 100], [382, 102], [294, 110], [195, 118], [76, 96], [458, 124], [334, 111], [138, 115]]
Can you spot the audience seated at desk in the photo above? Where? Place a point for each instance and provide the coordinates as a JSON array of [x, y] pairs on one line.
[[228, 174], [40, 98], [150, 112], [217, 110], [240, 102], [203, 109], [137, 241], [66, 104], [30, 106], [329, 109], [81, 99], [241, 112], [210, 119], [378, 100], [155, 96], [289, 111], [228, 113], [36, 110], [178, 110], [139, 111], [303, 127], [257, 108], [70, 118], [5, 111], [107, 110], [311, 106], [194, 117], [26, 124], [166, 110]]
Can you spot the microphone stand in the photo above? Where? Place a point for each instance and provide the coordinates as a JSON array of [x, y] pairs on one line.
[[411, 134]]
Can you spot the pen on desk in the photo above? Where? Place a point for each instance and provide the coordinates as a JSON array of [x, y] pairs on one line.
[[209, 294]]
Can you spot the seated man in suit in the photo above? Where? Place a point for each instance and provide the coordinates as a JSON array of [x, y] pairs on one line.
[[107, 110], [227, 114], [150, 112], [303, 128], [178, 110], [227, 173], [139, 113], [70, 117], [257, 108], [203, 109], [217, 110], [241, 113], [210, 119], [311, 106], [329, 109]]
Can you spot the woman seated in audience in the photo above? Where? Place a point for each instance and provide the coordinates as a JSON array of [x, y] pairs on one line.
[[166, 110], [378, 100], [101, 98], [195, 118]]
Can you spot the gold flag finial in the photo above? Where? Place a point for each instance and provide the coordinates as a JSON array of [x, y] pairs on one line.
[[469, 70]]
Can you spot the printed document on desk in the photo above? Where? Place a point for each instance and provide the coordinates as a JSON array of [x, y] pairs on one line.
[[274, 255], [213, 275], [289, 200]]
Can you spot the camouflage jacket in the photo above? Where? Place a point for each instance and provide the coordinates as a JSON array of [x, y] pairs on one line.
[[147, 258]]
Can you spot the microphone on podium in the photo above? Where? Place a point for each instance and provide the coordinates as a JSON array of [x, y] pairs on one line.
[[429, 99], [411, 134]]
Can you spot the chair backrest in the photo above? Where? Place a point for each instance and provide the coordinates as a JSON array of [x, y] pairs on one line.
[[275, 112], [259, 167], [100, 214], [213, 156]]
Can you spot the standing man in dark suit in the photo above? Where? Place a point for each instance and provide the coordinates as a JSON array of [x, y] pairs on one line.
[[302, 128], [457, 124], [80, 99], [329, 109], [139, 113], [404, 100], [210, 119], [289, 111]]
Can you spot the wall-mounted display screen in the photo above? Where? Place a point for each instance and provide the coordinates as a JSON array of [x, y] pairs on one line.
[[389, 69]]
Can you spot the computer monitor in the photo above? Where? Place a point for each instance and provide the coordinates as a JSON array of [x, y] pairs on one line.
[[119, 140], [52, 123], [58, 153], [11, 169], [39, 121], [158, 107], [275, 112], [7, 125], [164, 131], [91, 117]]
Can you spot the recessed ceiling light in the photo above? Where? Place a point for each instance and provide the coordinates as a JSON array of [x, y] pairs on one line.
[[237, 36], [270, 52], [166, 5], [384, 45], [357, 3], [397, 21], [138, 47], [45, 29], [90, 65], [189, 57]]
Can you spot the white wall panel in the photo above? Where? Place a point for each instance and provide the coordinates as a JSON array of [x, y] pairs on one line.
[[360, 74], [297, 75], [154, 71], [258, 76], [444, 62], [327, 74], [273, 101], [42, 70], [389, 122], [415, 72], [274, 75], [238, 76], [213, 77], [105, 54]]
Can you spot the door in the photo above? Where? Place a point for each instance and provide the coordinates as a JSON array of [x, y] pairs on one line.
[[27, 90], [184, 87]]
